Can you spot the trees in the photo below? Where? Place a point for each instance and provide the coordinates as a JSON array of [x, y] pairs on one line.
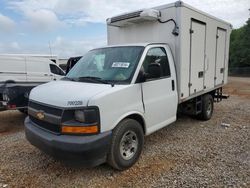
[[240, 46]]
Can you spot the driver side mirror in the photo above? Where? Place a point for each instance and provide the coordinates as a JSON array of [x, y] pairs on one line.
[[154, 70]]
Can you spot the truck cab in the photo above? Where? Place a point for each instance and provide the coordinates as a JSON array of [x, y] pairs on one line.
[[113, 95]]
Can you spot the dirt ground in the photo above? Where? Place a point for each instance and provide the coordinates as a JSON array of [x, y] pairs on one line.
[[188, 153], [238, 86]]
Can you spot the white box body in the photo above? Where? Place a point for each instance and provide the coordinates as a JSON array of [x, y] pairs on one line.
[[200, 51]]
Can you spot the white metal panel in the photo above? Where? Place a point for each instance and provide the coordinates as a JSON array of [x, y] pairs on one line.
[[184, 46], [12, 64], [160, 103], [220, 56], [197, 53], [38, 70], [58, 93], [210, 56], [115, 103], [12, 68], [226, 57], [186, 15]]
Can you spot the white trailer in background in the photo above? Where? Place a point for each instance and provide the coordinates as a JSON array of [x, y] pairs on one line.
[[158, 60]]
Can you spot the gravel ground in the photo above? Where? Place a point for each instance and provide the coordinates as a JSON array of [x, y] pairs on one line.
[[188, 153]]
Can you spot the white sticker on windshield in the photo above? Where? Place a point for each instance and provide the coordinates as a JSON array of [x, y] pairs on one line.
[[120, 64]]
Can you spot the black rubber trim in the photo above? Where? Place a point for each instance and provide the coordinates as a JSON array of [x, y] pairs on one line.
[[222, 29], [89, 150], [198, 21]]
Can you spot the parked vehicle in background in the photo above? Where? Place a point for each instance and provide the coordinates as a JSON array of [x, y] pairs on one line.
[[71, 63], [19, 74], [158, 60], [51, 57]]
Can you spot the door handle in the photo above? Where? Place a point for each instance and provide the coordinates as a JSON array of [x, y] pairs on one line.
[[173, 87], [45, 74]]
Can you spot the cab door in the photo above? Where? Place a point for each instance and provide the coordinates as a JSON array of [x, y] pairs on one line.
[[159, 94]]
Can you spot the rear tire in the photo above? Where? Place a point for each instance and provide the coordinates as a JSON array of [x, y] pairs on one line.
[[126, 145], [207, 107]]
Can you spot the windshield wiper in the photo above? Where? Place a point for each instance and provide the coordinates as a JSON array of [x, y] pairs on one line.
[[67, 78], [95, 79]]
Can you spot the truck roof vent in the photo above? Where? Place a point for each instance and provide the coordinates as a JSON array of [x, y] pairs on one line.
[[134, 17]]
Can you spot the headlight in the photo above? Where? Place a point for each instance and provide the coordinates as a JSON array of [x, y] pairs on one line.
[[80, 116], [82, 121], [86, 116]]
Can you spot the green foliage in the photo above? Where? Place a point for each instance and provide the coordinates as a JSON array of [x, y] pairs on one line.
[[240, 46]]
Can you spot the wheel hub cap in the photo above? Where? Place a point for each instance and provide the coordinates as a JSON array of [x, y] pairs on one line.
[[209, 108], [128, 145]]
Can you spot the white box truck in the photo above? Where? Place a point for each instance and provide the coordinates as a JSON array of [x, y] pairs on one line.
[[19, 74], [157, 61]]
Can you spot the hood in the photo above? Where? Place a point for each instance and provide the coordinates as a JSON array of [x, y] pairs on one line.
[[67, 93]]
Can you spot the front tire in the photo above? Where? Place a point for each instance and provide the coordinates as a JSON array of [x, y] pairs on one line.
[[126, 145]]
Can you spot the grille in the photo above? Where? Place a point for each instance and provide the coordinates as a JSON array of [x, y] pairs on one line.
[[45, 125], [126, 16], [50, 110], [55, 128]]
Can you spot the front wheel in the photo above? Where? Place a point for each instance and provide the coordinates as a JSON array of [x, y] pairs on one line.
[[127, 143]]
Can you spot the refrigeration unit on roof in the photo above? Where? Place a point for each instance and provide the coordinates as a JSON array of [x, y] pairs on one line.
[[134, 17]]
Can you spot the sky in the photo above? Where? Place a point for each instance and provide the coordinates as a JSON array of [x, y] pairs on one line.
[[72, 27]]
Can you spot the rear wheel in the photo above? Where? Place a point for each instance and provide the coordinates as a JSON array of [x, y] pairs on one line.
[[207, 107], [126, 146]]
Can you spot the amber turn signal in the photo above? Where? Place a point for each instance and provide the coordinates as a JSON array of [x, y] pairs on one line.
[[80, 129]]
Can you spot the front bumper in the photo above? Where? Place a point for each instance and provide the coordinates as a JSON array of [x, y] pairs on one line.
[[88, 150]]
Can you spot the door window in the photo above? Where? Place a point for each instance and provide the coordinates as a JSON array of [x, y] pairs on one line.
[[55, 70], [157, 55]]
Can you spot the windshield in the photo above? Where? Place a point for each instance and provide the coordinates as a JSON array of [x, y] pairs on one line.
[[114, 64]]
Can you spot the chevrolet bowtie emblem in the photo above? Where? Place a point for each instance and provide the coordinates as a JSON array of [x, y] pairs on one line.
[[40, 115]]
